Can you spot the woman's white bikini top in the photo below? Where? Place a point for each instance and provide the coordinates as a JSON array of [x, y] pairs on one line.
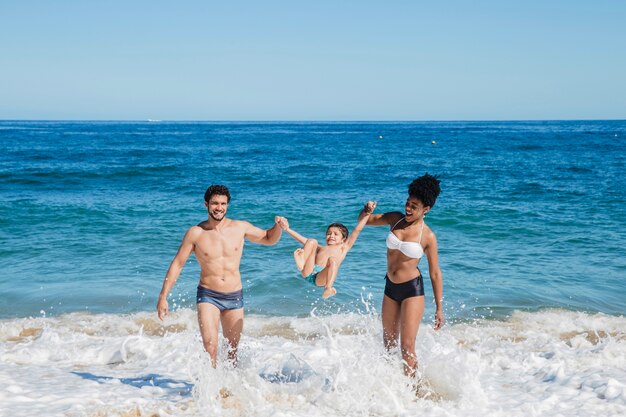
[[410, 249]]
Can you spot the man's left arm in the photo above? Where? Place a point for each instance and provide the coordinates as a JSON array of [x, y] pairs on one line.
[[264, 237]]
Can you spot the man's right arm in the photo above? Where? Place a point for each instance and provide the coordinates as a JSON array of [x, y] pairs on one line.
[[264, 237], [185, 249]]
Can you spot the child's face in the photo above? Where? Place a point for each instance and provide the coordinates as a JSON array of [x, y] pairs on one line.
[[334, 236]]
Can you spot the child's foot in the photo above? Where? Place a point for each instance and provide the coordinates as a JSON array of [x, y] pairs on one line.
[[298, 256], [329, 292]]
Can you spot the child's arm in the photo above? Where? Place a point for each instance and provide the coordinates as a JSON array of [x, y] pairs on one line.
[[363, 218], [284, 223]]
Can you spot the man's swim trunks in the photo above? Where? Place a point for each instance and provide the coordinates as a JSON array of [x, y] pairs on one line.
[[222, 300]]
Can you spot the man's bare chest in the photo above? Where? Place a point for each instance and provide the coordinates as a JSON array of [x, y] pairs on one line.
[[214, 244]]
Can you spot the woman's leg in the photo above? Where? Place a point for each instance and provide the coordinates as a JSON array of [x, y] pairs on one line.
[[305, 257], [411, 313], [391, 322]]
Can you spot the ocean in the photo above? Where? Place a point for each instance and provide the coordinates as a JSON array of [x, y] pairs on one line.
[[531, 227]]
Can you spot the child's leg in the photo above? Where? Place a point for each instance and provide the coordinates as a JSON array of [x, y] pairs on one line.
[[327, 276], [305, 257]]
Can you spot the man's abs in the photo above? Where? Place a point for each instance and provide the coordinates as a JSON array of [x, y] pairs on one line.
[[219, 260], [227, 282]]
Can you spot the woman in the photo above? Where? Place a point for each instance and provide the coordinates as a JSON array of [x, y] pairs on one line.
[[408, 240]]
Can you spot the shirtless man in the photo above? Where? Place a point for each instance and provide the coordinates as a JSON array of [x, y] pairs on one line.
[[218, 245]]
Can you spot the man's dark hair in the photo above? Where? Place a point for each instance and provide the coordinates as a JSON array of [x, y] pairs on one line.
[[216, 189], [426, 189], [341, 227]]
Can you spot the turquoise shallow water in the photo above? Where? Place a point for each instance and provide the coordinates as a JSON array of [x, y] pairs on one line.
[[531, 215]]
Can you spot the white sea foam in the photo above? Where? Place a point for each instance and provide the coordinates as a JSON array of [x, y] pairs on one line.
[[531, 364]]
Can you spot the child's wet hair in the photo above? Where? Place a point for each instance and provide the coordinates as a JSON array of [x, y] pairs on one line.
[[341, 227]]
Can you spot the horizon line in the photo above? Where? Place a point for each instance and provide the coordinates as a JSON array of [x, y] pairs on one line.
[[307, 120]]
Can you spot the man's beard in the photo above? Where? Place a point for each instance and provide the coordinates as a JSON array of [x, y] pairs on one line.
[[217, 219]]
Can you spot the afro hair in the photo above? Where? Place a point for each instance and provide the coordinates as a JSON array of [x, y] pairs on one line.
[[426, 189]]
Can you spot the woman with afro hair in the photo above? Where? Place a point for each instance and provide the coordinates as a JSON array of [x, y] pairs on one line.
[[408, 240]]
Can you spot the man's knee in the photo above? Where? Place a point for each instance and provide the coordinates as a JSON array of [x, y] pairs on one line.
[[211, 347]]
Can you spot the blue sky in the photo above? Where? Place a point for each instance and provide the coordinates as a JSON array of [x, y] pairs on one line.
[[313, 60]]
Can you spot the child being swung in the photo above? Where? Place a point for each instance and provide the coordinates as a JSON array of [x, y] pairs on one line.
[[319, 264]]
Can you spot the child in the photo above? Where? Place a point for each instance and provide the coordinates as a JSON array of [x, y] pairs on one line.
[[319, 264]]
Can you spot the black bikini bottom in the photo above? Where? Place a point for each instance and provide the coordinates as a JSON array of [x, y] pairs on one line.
[[404, 290]]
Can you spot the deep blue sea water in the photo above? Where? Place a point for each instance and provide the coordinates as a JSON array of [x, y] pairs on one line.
[[532, 215]]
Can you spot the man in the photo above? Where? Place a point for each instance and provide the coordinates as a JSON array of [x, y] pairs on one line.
[[218, 245]]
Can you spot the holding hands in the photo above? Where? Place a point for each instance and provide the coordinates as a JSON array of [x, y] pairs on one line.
[[369, 207], [282, 222]]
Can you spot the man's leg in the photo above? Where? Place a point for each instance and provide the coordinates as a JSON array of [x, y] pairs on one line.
[[232, 325], [208, 320]]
